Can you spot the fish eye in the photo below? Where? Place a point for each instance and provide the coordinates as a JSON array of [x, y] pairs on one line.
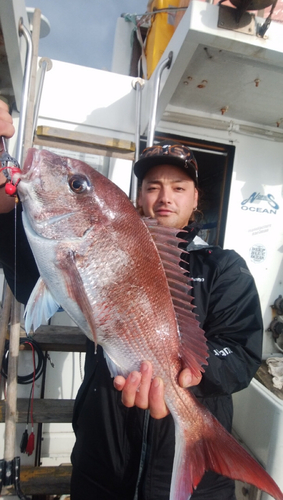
[[79, 183]]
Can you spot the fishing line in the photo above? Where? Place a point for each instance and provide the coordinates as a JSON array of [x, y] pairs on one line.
[[15, 248], [29, 447]]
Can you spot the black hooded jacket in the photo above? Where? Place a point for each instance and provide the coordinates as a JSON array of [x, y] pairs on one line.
[[122, 453], [131, 447]]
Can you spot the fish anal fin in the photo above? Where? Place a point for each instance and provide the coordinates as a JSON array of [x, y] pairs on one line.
[[114, 368]]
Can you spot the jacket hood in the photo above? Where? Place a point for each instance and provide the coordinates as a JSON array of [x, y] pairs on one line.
[[194, 242]]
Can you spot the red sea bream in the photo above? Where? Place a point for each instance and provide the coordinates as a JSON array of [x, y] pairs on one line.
[[119, 279]]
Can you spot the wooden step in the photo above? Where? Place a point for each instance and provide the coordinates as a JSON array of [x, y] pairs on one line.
[[59, 338], [44, 410], [84, 142], [43, 480]]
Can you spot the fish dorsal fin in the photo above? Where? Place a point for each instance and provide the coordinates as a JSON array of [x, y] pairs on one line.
[[40, 308], [193, 348]]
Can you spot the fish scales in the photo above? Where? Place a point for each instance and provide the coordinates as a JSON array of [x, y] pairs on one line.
[[98, 259], [118, 286]]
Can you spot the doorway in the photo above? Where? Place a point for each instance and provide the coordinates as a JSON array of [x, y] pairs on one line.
[[215, 163]]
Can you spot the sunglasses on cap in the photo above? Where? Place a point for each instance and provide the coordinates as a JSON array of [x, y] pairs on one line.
[[176, 154]]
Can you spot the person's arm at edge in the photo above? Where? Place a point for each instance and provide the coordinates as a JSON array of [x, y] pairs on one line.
[[7, 130]]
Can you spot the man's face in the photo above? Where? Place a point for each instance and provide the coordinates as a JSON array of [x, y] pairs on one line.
[[169, 195]]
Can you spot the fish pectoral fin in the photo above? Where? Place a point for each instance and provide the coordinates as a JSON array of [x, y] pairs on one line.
[[40, 308], [74, 285]]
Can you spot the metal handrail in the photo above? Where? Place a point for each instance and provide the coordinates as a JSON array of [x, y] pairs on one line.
[[45, 64], [25, 91], [138, 85], [153, 109]]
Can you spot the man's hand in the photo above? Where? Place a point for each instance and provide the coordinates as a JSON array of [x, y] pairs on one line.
[[140, 390]]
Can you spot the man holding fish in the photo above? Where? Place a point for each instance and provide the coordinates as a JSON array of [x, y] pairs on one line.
[[122, 451]]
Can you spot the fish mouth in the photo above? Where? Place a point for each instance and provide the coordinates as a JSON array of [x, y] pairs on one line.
[[29, 159], [33, 155], [28, 173], [22, 189]]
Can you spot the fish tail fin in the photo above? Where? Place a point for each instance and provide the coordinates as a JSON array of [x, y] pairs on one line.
[[186, 474], [218, 451]]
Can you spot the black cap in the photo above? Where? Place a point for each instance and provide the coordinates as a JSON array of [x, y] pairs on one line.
[[169, 154]]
